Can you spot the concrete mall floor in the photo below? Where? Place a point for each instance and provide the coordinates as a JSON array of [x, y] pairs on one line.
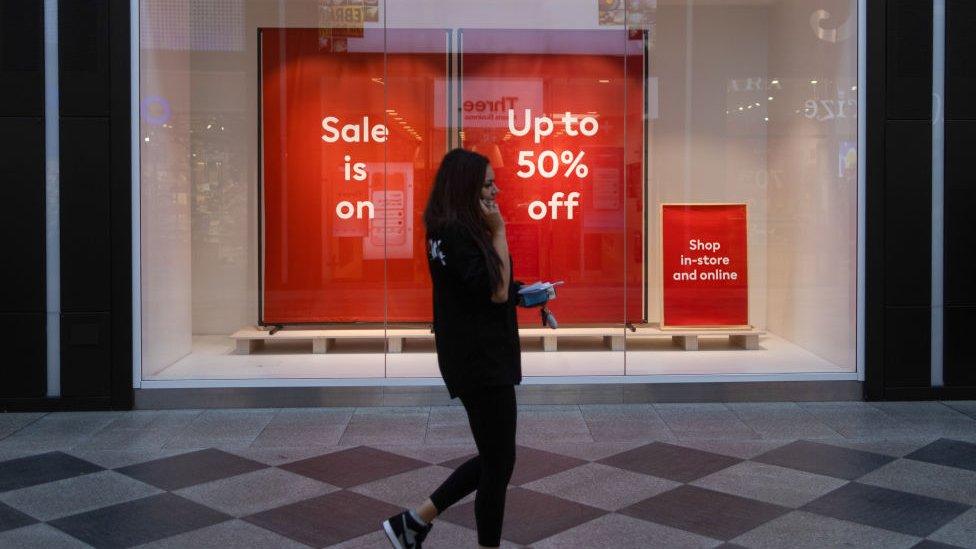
[[824, 474]]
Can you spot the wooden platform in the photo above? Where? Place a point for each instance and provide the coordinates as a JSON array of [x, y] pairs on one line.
[[252, 338]]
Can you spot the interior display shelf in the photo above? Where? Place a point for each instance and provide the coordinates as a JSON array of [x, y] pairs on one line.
[[252, 338]]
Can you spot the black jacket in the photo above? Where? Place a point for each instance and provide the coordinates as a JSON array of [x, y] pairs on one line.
[[477, 340]]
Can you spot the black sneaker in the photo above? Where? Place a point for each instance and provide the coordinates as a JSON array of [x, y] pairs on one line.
[[405, 532]]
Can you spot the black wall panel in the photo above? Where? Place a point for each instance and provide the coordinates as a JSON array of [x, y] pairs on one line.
[[23, 368], [908, 213], [86, 350], [907, 346], [22, 209], [959, 359], [961, 59], [959, 362], [121, 206], [85, 215], [960, 221], [908, 90], [21, 58], [85, 57]]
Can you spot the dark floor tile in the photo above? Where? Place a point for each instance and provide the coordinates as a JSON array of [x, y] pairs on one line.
[[669, 461], [530, 516], [824, 459], [530, 464], [355, 466], [326, 520], [184, 470], [139, 521], [11, 518], [41, 469], [952, 453], [929, 544], [705, 512], [890, 509]]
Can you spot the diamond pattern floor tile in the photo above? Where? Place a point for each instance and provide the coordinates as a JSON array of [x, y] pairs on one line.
[[408, 489], [929, 544], [225, 535], [347, 468], [889, 509], [76, 495], [11, 518], [802, 530], [529, 516], [601, 486], [905, 480], [669, 461], [952, 453], [326, 520], [925, 479], [530, 464], [770, 483], [192, 468], [139, 521], [623, 532], [39, 469], [40, 536], [705, 512], [961, 531], [255, 491], [824, 459]]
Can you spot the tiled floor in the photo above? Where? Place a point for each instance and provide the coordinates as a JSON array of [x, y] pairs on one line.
[[670, 475]]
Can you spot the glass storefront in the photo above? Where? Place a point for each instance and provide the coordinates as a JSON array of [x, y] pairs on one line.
[[687, 169]]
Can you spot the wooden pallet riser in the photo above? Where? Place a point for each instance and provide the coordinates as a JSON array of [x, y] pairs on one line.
[[251, 340]]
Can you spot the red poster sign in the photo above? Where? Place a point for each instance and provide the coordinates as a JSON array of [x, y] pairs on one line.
[[559, 114], [704, 265], [349, 153], [352, 137]]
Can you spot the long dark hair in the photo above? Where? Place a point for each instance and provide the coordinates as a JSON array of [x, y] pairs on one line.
[[454, 204]]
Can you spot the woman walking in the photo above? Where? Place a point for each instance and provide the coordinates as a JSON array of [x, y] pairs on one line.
[[476, 334]]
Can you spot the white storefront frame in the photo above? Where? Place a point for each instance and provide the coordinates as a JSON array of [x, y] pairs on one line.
[[139, 383]]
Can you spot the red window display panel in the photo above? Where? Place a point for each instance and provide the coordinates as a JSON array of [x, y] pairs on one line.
[[348, 156], [560, 116], [348, 131], [705, 259]]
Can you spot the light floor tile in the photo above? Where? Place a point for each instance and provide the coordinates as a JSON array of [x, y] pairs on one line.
[[601, 486], [39, 536], [621, 532], [926, 479], [408, 489], [233, 533], [801, 530], [255, 492], [960, 532], [770, 483], [76, 495]]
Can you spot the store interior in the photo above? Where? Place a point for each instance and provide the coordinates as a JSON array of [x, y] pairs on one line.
[[748, 102]]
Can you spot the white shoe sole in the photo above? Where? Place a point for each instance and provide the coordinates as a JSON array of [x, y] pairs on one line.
[[389, 534]]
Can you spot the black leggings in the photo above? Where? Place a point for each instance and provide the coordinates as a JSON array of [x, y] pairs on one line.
[[492, 415]]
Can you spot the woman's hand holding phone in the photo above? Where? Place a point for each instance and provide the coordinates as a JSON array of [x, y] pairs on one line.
[[492, 215]]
